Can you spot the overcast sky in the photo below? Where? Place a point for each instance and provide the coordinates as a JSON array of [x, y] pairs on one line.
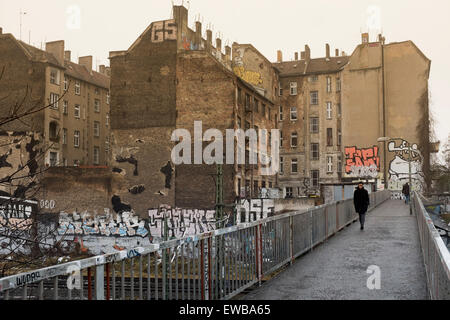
[[269, 25]]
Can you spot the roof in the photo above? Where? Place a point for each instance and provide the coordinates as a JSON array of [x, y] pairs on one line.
[[40, 55], [314, 66], [72, 69], [81, 72]]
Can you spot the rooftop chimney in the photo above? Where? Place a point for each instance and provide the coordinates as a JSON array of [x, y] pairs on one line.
[[302, 55], [296, 56], [364, 38], [327, 51], [337, 52], [208, 38], [67, 55], [218, 44], [198, 33], [57, 49], [279, 56], [86, 61], [307, 53], [180, 14], [228, 52]]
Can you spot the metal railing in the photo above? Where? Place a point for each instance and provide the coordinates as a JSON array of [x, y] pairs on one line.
[[436, 256], [214, 265]]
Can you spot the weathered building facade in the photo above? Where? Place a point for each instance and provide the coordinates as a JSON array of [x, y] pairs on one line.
[[170, 78], [385, 94], [310, 122]]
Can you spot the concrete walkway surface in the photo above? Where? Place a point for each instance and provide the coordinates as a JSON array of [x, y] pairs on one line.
[[337, 269]]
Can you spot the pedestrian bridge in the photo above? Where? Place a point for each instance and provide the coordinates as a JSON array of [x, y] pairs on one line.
[[319, 253]]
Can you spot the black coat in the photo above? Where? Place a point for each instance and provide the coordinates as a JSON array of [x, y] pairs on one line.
[[405, 189], [361, 200]]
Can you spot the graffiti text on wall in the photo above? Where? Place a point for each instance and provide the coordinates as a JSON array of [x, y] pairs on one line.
[[126, 224], [363, 162], [164, 30]]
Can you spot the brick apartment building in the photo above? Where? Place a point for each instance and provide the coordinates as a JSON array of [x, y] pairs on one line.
[[170, 77], [75, 126]]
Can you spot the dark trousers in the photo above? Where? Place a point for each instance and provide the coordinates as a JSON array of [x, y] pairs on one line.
[[362, 218]]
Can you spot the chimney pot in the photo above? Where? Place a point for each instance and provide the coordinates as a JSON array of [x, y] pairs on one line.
[[279, 56], [307, 53], [364, 38], [337, 52], [302, 55], [67, 55], [218, 44], [86, 61], [296, 56], [327, 50]]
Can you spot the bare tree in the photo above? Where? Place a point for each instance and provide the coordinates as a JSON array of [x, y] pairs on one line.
[[27, 238]]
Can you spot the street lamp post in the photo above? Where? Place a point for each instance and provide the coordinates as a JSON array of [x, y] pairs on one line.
[[386, 139]]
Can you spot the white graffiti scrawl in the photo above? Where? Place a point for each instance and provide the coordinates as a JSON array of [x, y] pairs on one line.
[[125, 224], [399, 166]]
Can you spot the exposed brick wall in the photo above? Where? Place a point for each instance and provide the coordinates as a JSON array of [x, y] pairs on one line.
[[143, 85]]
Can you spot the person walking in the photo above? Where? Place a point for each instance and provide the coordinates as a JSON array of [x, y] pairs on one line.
[[361, 202], [405, 192]]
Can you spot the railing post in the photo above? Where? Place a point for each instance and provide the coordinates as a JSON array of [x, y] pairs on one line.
[[100, 282], [291, 238]]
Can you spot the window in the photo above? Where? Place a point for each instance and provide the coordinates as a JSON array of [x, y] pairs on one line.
[[256, 105], [288, 192], [338, 84], [293, 113], [293, 87], [97, 91], [53, 131], [239, 122], [64, 137], [313, 78], [76, 139], [294, 139], [77, 88], [314, 151], [66, 83], [76, 163], [281, 91], [77, 111], [107, 120], [314, 125], [329, 110], [263, 109], [339, 166], [281, 164], [54, 76], [96, 129], [53, 159], [270, 184], [255, 188], [329, 137], [281, 113], [97, 105], [339, 137], [315, 178], [107, 146], [339, 109], [247, 125], [314, 97], [96, 155], [247, 102], [328, 84], [239, 96], [329, 164], [281, 138], [107, 97], [65, 107], [294, 168], [54, 99]]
